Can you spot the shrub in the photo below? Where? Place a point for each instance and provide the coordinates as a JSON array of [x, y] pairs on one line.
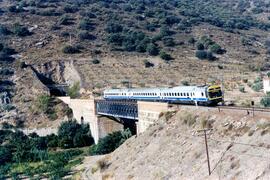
[[168, 41], [148, 64], [48, 12], [6, 125], [191, 40], [257, 86], [73, 91], [265, 101], [20, 30], [71, 134], [69, 49], [84, 35], [209, 56], [185, 83], [15, 9], [215, 48], [70, 8], [200, 46], [165, 56], [152, 49], [114, 27], [110, 142], [95, 61], [201, 54], [242, 89], [4, 30], [42, 102], [85, 24], [65, 20]]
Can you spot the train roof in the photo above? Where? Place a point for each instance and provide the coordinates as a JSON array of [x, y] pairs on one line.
[[187, 88]]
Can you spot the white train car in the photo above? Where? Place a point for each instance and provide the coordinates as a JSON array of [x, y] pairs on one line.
[[204, 95]]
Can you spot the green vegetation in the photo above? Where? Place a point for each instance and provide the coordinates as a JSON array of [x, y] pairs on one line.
[[110, 143], [165, 56], [69, 49], [265, 101], [73, 91], [71, 134], [242, 89], [20, 30], [148, 64], [95, 61], [257, 85], [22, 155], [33, 156]]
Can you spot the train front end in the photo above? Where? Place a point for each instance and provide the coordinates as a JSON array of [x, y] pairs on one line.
[[215, 94]]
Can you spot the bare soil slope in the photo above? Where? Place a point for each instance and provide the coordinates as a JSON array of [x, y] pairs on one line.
[[239, 148]]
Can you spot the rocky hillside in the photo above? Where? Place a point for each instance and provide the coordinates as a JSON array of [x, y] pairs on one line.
[[239, 148], [106, 43]]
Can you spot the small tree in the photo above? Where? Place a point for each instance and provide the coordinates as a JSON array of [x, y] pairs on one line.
[[265, 101], [165, 56], [20, 30], [69, 49], [152, 49], [215, 48], [95, 61], [200, 46], [201, 54]]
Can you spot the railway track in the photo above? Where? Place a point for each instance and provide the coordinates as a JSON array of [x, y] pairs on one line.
[[220, 107]]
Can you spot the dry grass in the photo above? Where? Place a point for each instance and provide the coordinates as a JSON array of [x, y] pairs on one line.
[[188, 118]]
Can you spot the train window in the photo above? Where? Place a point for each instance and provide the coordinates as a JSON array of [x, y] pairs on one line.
[[187, 94], [181, 94], [202, 94], [184, 94]]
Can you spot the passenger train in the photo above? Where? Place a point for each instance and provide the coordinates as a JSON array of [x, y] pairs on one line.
[[201, 95]]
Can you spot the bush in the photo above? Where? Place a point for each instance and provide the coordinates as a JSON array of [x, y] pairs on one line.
[[265, 101], [201, 54], [110, 142], [71, 134], [152, 49], [257, 86], [215, 48], [42, 103], [200, 46], [191, 40], [4, 30], [165, 56], [20, 30], [73, 91], [95, 61], [85, 24], [168, 41], [114, 27], [69, 49], [209, 56], [148, 64], [70, 8], [185, 83], [65, 20], [242, 89], [84, 35]]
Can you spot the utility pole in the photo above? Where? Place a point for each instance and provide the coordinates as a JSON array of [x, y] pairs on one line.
[[206, 147]]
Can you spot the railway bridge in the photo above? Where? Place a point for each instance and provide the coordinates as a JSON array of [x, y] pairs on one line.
[[106, 116]]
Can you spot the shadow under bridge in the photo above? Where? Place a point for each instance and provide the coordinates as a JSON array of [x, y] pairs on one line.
[[119, 109]]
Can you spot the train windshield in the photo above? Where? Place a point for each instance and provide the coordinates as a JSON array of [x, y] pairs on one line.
[[214, 91], [215, 94]]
